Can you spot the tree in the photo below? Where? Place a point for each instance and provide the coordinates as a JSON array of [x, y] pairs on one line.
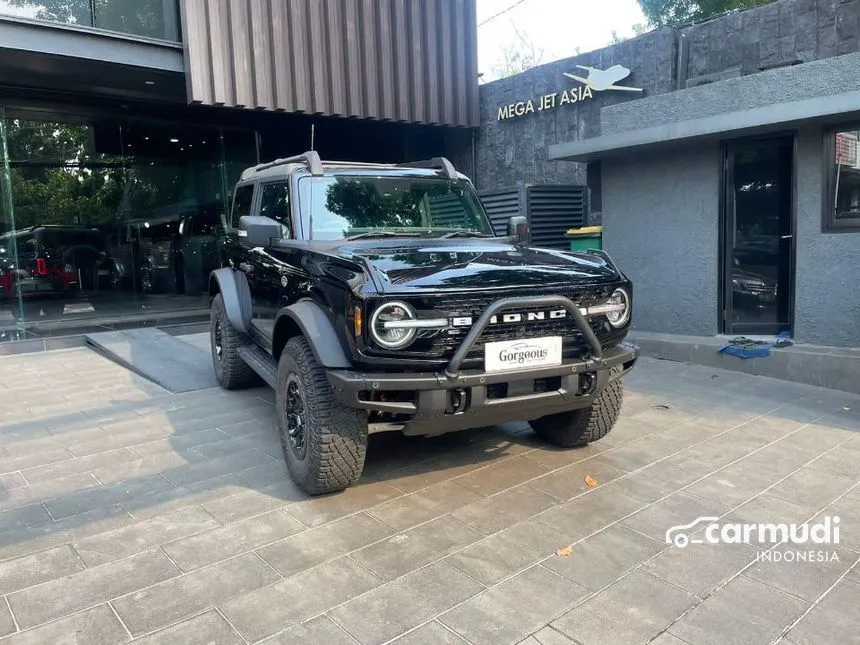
[[518, 56], [142, 17], [362, 205], [638, 30], [661, 13]]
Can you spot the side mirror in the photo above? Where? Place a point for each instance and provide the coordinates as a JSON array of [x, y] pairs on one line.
[[518, 227], [257, 231]]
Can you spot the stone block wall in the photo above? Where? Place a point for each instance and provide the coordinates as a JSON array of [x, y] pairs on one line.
[[780, 33]]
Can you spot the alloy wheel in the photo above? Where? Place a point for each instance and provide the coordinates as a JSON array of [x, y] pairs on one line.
[[219, 340], [296, 418]]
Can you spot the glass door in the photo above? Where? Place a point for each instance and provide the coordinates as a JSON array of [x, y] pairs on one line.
[[758, 236]]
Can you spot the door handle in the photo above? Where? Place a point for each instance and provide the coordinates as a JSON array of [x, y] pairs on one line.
[[786, 237]]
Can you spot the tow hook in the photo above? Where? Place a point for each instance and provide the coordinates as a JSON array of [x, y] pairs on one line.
[[587, 383], [458, 400]]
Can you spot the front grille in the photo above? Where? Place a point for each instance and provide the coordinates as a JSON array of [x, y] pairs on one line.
[[445, 343]]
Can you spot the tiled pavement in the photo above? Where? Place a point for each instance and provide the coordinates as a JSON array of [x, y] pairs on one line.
[[132, 513]]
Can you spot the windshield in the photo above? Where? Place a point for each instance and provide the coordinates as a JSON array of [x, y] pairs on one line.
[[347, 206]]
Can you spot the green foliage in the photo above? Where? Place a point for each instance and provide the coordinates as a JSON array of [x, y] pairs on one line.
[[51, 183], [141, 17], [55, 179], [362, 205], [661, 13]]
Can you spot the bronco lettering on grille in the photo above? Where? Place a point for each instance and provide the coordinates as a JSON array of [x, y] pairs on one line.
[[529, 316]]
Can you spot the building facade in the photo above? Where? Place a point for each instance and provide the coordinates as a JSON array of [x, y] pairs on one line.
[[721, 158], [722, 161], [125, 123]]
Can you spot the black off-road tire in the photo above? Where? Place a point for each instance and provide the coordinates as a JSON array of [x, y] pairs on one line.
[[230, 370], [581, 427], [335, 436]]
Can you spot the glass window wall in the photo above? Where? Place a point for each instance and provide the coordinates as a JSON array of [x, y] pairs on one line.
[[110, 219], [151, 18]]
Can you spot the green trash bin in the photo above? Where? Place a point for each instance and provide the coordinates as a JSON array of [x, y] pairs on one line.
[[587, 237]]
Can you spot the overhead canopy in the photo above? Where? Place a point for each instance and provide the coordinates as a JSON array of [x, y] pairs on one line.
[[68, 58]]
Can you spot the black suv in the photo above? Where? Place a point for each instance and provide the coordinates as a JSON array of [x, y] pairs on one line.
[[377, 298]]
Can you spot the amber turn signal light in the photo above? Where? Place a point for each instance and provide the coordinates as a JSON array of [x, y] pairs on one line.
[[357, 321]]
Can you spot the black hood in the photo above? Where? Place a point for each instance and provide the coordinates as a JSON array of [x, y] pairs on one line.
[[424, 265]]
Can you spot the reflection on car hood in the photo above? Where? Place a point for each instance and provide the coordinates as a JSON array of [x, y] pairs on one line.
[[419, 265]]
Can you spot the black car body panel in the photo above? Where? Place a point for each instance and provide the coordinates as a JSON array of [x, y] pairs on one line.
[[444, 284]]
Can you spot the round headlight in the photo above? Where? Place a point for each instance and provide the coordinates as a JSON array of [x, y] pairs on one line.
[[620, 317], [384, 329]]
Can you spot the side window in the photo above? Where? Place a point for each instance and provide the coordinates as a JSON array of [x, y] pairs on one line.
[[274, 203], [241, 204], [843, 195]]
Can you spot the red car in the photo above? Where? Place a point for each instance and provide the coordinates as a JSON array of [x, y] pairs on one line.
[[50, 259]]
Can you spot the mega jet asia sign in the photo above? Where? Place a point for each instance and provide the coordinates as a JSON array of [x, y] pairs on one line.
[[596, 80]]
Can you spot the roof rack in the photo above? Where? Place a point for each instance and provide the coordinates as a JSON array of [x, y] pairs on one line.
[[311, 159], [436, 163]]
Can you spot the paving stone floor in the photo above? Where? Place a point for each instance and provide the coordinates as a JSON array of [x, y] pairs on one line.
[[129, 513]]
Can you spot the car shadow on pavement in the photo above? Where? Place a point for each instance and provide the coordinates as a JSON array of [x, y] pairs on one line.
[[96, 469]]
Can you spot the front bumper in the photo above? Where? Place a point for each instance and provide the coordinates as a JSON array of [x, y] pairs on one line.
[[433, 403]]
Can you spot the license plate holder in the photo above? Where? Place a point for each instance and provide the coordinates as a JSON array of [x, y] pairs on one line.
[[522, 353]]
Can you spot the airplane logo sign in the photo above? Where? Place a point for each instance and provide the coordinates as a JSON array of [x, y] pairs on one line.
[[595, 80], [600, 80]]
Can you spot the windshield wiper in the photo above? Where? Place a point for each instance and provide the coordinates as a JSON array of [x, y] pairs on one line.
[[465, 234], [367, 234]]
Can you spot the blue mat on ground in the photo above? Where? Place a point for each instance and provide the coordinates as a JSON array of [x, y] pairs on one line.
[[748, 348]]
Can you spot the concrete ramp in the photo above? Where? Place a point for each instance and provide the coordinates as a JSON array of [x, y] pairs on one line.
[[174, 364]]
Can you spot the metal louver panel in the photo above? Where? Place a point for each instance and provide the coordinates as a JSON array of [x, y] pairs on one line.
[[447, 211], [501, 205], [552, 210]]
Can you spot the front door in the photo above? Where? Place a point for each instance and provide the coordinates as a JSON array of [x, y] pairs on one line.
[[758, 243]]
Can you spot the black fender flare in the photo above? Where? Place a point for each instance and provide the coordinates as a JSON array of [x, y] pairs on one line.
[[313, 323], [234, 289]]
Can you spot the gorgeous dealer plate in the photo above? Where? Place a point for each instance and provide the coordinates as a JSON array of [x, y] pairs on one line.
[[522, 354]]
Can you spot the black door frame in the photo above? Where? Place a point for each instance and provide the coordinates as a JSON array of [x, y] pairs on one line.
[[726, 326]]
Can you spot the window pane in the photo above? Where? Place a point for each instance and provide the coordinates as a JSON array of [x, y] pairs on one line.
[[274, 204], [241, 204], [102, 217], [70, 12], [846, 182], [151, 18], [344, 206]]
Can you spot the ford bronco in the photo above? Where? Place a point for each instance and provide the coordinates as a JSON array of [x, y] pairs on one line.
[[377, 298]]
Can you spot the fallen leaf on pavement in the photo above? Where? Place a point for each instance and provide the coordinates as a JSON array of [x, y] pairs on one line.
[[590, 481], [565, 551]]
